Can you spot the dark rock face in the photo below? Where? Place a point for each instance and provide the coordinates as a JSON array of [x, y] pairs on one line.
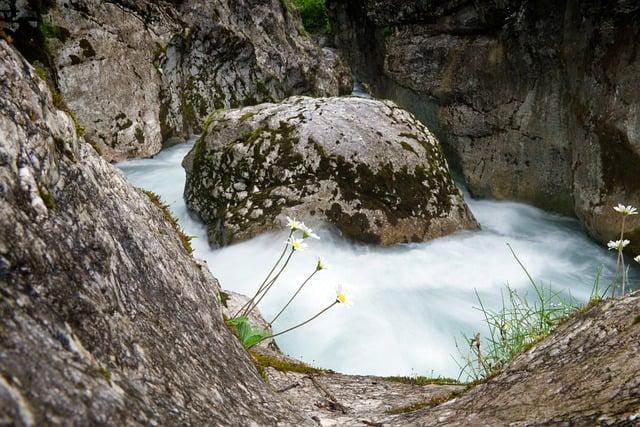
[[104, 316], [368, 167], [139, 73], [534, 101]]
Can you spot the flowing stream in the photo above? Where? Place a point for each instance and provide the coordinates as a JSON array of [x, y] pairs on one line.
[[410, 301]]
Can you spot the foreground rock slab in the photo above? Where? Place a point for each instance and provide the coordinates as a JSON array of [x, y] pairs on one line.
[[365, 166], [105, 318], [586, 373]]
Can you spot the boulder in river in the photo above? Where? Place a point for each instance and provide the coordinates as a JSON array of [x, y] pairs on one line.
[[366, 166]]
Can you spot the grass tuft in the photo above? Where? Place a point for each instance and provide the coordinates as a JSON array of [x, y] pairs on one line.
[[168, 216], [517, 326], [262, 361], [420, 380]]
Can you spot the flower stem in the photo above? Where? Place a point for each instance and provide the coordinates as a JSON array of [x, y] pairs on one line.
[[294, 295], [620, 262], [299, 324], [267, 288], [284, 251]]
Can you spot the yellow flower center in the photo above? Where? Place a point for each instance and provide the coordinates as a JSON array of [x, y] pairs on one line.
[[342, 298]]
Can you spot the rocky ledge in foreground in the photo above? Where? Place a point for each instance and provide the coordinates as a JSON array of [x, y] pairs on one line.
[[105, 319], [365, 166]]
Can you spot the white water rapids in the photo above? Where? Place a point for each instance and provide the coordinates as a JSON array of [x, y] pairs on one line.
[[410, 301]]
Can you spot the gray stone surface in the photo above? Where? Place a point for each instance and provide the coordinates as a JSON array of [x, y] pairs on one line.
[[140, 73], [585, 373], [365, 166], [536, 101], [104, 317]]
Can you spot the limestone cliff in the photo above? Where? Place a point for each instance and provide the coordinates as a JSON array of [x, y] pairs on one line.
[[536, 101], [140, 73]]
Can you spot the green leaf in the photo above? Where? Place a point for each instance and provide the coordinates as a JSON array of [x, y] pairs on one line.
[[236, 320]]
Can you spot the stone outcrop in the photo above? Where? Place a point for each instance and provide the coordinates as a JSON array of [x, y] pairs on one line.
[[534, 101], [141, 73], [105, 318], [585, 373], [365, 166]]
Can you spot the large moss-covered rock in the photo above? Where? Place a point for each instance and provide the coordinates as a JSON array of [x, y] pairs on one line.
[[105, 318], [140, 73], [366, 166], [533, 100]]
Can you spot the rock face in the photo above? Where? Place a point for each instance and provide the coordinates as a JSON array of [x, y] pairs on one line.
[[585, 373], [235, 53], [534, 100], [104, 316], [139, 73], [368, 167]]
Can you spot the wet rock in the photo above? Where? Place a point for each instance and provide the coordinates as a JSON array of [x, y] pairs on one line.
[[368, 167], [105, 318], [533, 101]]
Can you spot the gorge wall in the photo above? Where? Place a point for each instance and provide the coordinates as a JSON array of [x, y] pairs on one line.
[[141, 73], [534, 101]]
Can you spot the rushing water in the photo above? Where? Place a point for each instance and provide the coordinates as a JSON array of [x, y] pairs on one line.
[[411, 300]]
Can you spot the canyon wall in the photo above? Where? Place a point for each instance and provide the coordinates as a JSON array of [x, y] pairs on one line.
[[140, 73], [536, 101]]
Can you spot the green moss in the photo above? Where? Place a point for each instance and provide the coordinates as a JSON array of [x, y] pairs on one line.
[[246, 116], [168, 216], [40, 72], [408, 147], [139, 134], [46, 197], [80, 130], [224, 298], [263, 361], [4, 36], [423, 380], [104, 373], [50, 30]]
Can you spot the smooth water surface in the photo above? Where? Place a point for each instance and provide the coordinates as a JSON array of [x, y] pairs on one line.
[[410, 301]]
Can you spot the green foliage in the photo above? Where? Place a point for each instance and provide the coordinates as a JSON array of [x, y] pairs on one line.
[[314, 15], [80, 130], [247, 334], [168, 216]]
